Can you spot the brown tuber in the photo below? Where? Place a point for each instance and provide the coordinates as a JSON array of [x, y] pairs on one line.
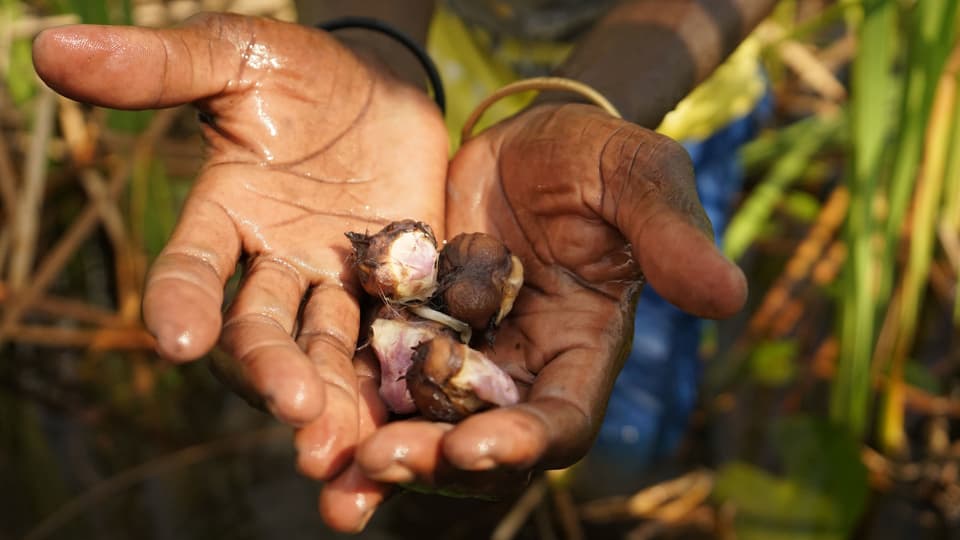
[[399, 263], [472, 283], [450, 381], [393, 336], [479, 280]]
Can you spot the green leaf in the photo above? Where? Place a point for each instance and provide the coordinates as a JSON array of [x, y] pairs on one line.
[[772, 362], [872, 87], [820, 497], [20, 80], [772, 508], [824, 457]]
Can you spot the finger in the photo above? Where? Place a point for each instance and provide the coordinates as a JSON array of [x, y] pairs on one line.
[[348, 501], [402, 452], [140, 68], [184, 288], [331, 318], [649, 193], [576, 363], [323, 450], [546, 432], [411, 452], [258, 333]]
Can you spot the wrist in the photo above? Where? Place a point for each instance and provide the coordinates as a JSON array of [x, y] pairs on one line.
[[381, 50], [383, 54], [411, 17]]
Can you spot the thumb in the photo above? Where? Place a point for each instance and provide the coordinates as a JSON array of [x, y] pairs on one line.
[[143, 68], [655, 205]]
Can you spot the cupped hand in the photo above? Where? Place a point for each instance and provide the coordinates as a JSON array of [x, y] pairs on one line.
[[306, 140], [593, 206]]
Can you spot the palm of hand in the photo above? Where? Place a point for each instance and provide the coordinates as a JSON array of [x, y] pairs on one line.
[[295, 161], [586, 201], [306, 141]]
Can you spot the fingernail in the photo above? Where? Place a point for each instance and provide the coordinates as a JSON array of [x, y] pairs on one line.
[[483, 464], [396, 473], [364, 520]]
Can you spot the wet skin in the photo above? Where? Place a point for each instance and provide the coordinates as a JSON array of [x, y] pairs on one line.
[[308, 140]]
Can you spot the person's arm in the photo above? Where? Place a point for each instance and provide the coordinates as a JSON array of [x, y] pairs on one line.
[[412, 17], [646, 55]]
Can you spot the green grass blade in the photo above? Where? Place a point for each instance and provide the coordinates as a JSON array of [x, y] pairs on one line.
[[872, 83], [927, 197], [929, 40], [950, 210]]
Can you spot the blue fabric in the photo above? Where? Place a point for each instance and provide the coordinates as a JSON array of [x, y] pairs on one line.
[[655, 393]]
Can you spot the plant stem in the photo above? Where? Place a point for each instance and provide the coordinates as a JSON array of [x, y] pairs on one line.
[[916, 276], [871, 84]]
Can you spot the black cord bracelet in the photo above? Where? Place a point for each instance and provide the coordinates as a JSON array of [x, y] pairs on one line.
[[369, 23]]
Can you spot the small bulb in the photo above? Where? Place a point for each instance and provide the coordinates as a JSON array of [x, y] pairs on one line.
[[394, 335], [399, 263], [479, 280], [450, 381]]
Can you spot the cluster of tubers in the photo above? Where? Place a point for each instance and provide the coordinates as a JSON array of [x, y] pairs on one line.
[[434, 302]]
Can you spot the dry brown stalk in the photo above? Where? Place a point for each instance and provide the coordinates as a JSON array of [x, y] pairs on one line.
[[811, 70], [4, 247], [668, 501], [828, 267], [544, 523], [66, 308], [879, 468], [804, 60], [943, 281], [8, 185], [128, 281], [916, 275], [566, 508], [950, 240], [802, 262], [838, 53], [787, 319], [806, 104], [915, 399], [687, 501], [100, 339], [30, 198], [84, 224], [511, 523], [79, 135], [821, 361]]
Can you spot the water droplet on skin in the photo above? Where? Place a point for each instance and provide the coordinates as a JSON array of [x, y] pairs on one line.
[[264, 117], [400, 452], [185, 339], [258, 56]]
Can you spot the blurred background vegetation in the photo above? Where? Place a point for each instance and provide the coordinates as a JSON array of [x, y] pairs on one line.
[[829, 407]]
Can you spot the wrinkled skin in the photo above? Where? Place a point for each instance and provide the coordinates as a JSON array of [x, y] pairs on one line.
[[308, 141], [586, 201]]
